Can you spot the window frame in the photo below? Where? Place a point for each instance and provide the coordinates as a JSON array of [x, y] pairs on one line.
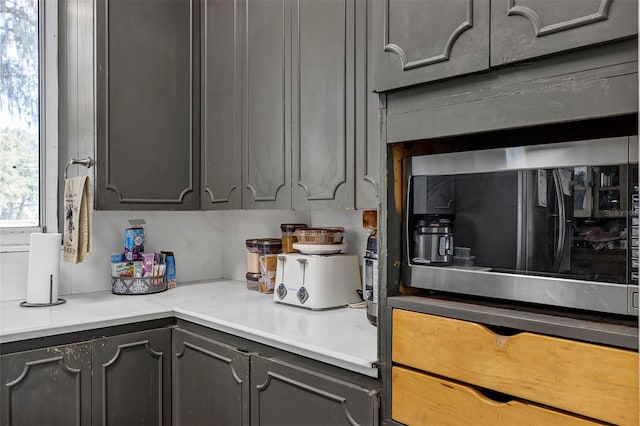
[[17, 239]]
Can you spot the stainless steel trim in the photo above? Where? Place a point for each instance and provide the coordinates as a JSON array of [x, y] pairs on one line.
[[587, 295], [566, 154]]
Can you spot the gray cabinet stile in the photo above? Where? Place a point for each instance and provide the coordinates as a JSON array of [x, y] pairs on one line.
[[221, 43], [131, 382], [147, 105], [210, 382], [49, 386]]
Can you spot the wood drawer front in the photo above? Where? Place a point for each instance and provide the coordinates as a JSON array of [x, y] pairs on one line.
[[421, 399], [592, 380]]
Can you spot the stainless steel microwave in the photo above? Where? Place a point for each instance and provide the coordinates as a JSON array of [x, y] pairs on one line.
[[550, 224]]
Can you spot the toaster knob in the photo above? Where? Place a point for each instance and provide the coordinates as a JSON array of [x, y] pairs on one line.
[[302, 295], [281, 291]]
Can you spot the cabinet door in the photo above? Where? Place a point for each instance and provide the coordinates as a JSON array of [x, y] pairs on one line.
[[283, 394], [147, 75], [131, 379], [427, 40], [221, 113], [50, 386], [367, 173], [323, 103], [524, 29], [266, 103], [210, 382]]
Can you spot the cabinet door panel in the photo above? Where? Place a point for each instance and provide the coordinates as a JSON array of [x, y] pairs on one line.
[[267, 90], [421, 41], [283, 394], [210, 382], [323, 103], [49, 386], [147, 152], [367, 173], [132, 379], [524, 29], [221, 126]]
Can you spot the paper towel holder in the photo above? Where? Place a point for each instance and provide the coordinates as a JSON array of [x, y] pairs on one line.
[[60, 301], [87, 162]]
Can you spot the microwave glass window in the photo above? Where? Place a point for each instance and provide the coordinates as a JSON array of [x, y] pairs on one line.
[[565, 222]]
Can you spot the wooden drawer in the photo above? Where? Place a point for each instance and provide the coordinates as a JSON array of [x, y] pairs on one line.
[[591, 380], [421, 399]]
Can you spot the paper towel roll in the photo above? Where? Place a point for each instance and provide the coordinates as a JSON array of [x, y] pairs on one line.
[[44, 268]]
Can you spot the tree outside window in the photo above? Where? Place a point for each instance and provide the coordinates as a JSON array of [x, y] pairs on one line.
[[19, 113]]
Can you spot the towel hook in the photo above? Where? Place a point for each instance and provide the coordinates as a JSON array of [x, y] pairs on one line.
[[87, 162]]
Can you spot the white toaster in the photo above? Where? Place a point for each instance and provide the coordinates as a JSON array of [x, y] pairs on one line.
[[317, 281]]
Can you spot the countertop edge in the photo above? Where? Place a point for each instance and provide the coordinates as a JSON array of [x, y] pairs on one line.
[[349, 363]]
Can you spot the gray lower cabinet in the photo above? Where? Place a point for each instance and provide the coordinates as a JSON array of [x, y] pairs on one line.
[[147, 94], [50, 386], [210, 382], [284, 394], [118, 380], [131, 379], [526, 29]]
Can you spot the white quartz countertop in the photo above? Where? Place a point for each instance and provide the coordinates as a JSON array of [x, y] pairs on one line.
[[342, 337]]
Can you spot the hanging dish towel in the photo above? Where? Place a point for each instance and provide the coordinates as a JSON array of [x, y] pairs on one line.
[[78, 218]]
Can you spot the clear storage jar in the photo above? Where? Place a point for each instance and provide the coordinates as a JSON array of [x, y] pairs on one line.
[[289, 236]]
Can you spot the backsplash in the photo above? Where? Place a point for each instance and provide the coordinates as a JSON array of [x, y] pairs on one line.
[[207, 245]]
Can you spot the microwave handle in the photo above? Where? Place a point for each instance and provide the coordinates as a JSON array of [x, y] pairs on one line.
[[406, 222], [562, 222]]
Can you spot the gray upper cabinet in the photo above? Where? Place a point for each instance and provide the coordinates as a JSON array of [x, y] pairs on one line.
[[48, 386], [323, 103], [221, 41], [210, 382], [266, 157], [426, 40], [367, 162], [524, 29], [147, 105]]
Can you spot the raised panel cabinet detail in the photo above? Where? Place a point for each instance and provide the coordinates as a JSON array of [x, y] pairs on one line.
[[50, 386], [221, 41], [147, 98], [283, 394], [210, 382], [422, 41], [266, 93], [524, 29], [323, 103], [131, 379]]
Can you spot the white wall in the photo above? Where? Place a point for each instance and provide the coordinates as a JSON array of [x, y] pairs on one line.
[[207, 245]]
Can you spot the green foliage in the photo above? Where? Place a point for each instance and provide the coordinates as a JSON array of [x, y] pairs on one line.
[[19, 58], [19, 180]]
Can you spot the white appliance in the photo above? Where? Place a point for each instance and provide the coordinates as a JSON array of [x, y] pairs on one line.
[[317, 281]]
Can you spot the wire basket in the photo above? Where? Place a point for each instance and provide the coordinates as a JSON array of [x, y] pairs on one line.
[[142, 285]]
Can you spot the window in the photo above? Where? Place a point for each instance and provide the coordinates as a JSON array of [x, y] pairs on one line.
[[28, 118]]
